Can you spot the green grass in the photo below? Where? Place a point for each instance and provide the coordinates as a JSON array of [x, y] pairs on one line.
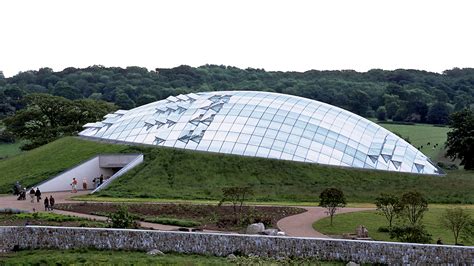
[[49, 217], [46, 161], [172, 221], [348, 222], [106, 257], [174, 174], [9, 150], [420, 135], [187, 175]]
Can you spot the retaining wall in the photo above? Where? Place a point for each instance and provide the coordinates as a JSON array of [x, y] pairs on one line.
[[225, 244]]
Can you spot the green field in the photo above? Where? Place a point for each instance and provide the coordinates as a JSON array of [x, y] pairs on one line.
[[188, 175], [106, 257], [348, 222], [421, 135]]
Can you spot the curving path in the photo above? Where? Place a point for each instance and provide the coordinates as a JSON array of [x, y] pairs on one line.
[[301, 225]]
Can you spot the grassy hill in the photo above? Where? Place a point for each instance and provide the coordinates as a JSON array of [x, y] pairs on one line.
[[39, 164], [180, 174]]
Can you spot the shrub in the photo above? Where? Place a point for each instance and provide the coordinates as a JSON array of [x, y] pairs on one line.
[[410, 233], [122, 218]]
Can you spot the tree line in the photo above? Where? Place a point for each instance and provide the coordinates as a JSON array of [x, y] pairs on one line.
[[399, 95]]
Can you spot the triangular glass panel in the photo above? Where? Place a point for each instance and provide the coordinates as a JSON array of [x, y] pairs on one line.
[[170, 123], [184, 139], [225, 98], [386, 158], [217, 107], [215, 98], [148, 125], [373, 158], [159, 140], [419, 167], [397, 164]]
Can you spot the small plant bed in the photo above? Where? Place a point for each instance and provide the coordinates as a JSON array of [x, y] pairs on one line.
[[107, 257], [43, 218], [210, 217]]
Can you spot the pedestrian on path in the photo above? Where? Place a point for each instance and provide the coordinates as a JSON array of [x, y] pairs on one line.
[[74, 185], [46, 204], [101, 179], [84, 184], [38, 194], [51, 202], [32, 195]]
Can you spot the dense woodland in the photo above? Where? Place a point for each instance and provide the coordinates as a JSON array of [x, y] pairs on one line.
[[400, 95]]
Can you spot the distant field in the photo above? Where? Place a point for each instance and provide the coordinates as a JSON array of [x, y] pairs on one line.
[[348, 222], [420, 135]]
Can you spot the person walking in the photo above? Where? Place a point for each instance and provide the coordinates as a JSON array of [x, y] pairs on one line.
[[101, 179], [32, 195], [74, 185], [51, 202], [46, 204], [84, 184], [38, 194]]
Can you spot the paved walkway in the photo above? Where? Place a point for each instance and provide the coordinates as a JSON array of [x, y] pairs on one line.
[[302, 224], [297, 225]]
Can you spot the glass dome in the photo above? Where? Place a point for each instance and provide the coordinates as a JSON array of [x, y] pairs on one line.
[[263, 124]]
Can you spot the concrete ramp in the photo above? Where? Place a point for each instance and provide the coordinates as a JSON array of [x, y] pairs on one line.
[[110, 166]]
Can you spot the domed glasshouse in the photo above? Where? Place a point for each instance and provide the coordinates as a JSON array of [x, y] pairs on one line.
[[263, 124]]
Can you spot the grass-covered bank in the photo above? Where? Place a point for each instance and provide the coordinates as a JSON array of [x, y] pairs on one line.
[[189, 175], [372, 220], [180, 174], [46, 161]]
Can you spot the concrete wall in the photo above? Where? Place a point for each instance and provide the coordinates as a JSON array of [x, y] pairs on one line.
[[132, 161], [88, 170], [225, 244], [62, 182]]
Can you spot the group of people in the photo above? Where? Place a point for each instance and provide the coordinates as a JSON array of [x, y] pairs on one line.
[[97, 182], [35, 194]]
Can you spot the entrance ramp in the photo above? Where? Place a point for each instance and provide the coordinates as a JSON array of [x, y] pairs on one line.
[[111, 166]]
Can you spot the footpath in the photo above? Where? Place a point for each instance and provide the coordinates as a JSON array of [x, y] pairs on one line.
[[299, 225]]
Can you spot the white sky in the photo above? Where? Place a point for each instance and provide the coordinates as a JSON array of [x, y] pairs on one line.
[[274, 35]]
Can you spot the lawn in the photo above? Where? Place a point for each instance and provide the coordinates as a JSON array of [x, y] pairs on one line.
[[106, 257], [422, 134], [46, 161], [348, 222]]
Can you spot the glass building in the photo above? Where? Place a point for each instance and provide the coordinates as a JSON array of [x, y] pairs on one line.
[[263, 124]]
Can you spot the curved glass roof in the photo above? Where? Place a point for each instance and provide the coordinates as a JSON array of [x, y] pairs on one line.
[[263, 124]]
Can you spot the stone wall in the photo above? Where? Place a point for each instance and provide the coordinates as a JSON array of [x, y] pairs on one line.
[[225, 244]]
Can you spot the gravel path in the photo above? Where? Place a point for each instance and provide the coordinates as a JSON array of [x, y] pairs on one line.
[[302, 224]]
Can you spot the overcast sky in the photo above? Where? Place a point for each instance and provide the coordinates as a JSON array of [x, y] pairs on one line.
[[274, 35]]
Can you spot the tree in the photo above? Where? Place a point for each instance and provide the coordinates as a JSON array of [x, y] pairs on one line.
[[387, 204], [460, 143], [438, 114], [237, 196], [332, 199], [412, 206], [457, 221], [121, 218], [381, 113]]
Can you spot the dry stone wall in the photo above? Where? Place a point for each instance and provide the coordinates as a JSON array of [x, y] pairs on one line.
[[225, 244]]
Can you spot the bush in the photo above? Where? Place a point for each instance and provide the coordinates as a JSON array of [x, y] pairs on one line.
[[383, 229], [413, 234], [122, 218]]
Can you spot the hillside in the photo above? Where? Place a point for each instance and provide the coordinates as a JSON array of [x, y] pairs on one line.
[[44, 162], [179, 174]]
